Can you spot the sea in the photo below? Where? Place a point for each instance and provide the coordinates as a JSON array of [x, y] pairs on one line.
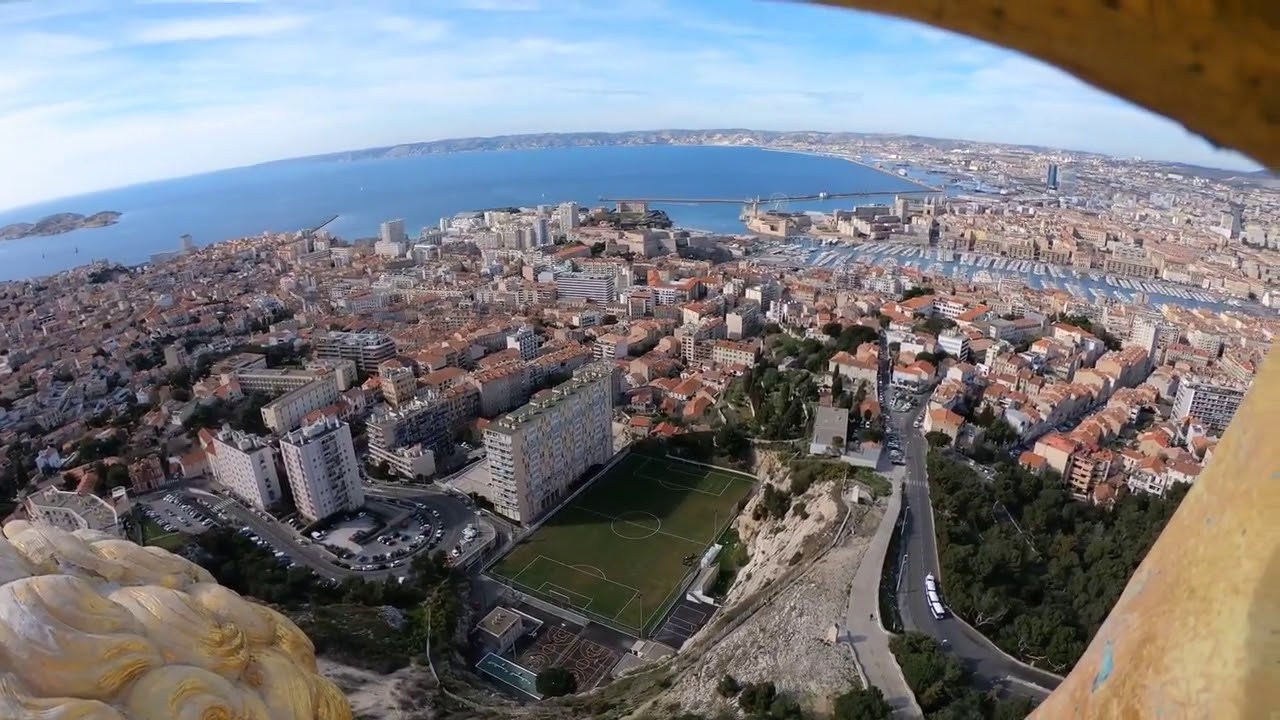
[[303, 193]]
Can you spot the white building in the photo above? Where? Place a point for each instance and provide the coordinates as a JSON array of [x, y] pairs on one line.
[[286, 412], [569, 219], [1209, 403], [392, 231], [538, 450], [955, 344], [320, 462], [245, 465], [365, 349], [526, 341], [73, 511], [600, 289]]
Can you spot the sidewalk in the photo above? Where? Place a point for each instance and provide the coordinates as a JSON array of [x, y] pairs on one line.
[[867, 636]]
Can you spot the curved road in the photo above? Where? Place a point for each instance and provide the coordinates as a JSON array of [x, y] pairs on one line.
[[990, 665], [454, 515]]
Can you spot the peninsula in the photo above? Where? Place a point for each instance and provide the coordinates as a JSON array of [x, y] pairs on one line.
[[57, 224]]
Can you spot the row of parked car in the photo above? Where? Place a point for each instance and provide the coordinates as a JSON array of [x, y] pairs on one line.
[[185, 519], [281, 556]]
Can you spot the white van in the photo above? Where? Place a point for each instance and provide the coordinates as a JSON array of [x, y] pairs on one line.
[[929, 584], [938, 611], [933, 597]]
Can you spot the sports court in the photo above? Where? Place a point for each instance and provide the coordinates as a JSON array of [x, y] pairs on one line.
[[618, 552]]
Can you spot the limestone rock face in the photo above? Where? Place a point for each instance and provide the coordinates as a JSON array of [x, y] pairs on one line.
[[97, 628]]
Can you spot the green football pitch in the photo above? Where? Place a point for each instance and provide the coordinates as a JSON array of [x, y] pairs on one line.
[[619, 551]]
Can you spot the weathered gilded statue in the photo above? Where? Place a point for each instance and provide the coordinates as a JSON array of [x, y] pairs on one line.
[[97, 628]]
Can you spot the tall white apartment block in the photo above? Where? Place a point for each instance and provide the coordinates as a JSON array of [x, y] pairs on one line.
[[245, 465], [320, 462], [392, 231], [536, 452], [568, 216], [1211, 403]]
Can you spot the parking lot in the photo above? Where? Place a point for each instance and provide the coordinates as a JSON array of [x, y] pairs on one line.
[[176, 514]]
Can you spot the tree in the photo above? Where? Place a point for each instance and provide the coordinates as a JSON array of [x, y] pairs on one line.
[[555, 681], [1001, 433], [728, 686], [117, 476], [757, 698], [937, 439], [862, 704], [915, 292]]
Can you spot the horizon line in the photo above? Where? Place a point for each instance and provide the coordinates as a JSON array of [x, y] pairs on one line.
[[1263, 172]]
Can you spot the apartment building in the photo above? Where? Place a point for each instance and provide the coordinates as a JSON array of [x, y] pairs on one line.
[[535, 453], [610, 346], [286, 412], [397, 382], [502, 388], [1210, 402], [1089, 468], [245, 465], [525, 340], [365, 349], [600, 289], [955, 343], [320, 462], [424, 421], [272, 381], [731, 352]]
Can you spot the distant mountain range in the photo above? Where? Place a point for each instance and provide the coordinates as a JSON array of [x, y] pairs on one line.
[[727, 136], [58, 224]]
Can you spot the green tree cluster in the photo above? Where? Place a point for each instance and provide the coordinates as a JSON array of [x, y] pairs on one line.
[[431, 598], [1030, 567], [778, 401]]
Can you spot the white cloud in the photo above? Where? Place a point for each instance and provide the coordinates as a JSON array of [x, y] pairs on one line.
[[240, 26], [412, 28], [86, 105]]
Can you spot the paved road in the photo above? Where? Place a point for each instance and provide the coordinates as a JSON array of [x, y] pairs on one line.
[[866, 634], [454, 516], [991, 667]]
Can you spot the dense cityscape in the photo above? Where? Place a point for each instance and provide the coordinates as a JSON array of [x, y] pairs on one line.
[[545, 450]]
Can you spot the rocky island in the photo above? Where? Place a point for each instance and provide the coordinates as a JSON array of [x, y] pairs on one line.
[[58, 224]]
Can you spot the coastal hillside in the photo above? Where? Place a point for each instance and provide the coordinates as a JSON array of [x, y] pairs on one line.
[[58, 224]]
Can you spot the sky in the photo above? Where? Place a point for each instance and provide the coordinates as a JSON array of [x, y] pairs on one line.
[[96, 94]]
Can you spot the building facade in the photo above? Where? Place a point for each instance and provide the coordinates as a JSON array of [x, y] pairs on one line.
[[1211, 404], [365, 349], [245, 465], [320, 462], [535, 453]]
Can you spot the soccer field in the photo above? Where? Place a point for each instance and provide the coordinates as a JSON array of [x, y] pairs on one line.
[[619, 550]]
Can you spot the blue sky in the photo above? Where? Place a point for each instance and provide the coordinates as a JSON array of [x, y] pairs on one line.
[[101, 93]]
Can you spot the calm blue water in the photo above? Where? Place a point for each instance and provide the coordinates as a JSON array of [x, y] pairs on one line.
[[303, 193]]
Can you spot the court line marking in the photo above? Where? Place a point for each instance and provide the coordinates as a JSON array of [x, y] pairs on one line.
[[646, 527]]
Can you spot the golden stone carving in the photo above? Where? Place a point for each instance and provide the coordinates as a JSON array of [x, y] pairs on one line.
[[97, 628]]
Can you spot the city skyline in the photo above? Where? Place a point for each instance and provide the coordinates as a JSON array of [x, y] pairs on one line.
[[104, 95]]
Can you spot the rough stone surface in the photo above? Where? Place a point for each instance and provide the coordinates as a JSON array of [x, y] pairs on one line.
[[786, 642]]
